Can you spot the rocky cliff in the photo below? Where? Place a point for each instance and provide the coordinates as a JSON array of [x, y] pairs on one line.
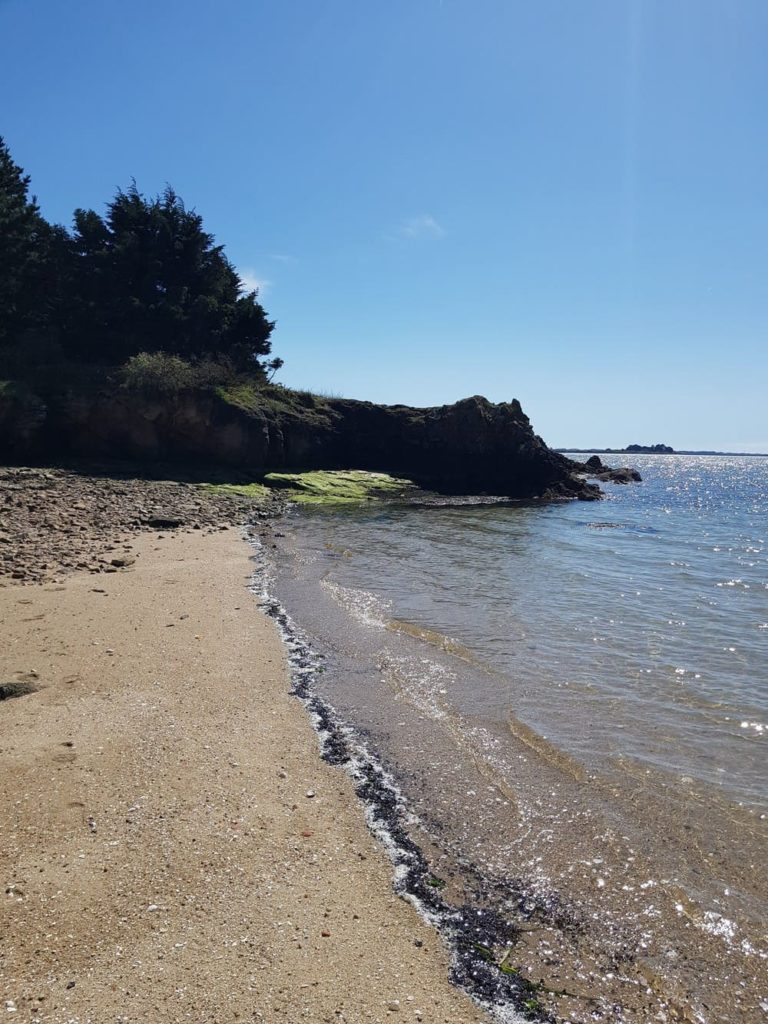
[[471, 447]]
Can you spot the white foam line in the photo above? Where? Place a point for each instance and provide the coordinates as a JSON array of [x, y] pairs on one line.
[[360, 765]]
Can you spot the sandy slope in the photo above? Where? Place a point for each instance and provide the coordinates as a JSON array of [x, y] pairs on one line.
[[161, 857]]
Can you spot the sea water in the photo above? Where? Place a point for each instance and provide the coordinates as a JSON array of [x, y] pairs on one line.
[[575, 698]]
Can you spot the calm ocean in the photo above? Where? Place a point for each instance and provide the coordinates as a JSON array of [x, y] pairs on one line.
[[572, 684]]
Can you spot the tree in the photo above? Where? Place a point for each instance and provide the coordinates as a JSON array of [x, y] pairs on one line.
[[149, 278], [25, 239]]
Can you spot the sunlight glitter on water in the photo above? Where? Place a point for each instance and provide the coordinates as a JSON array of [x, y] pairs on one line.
[[618, 650]]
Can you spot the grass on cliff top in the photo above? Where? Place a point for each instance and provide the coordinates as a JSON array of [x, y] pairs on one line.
[[256, 396]]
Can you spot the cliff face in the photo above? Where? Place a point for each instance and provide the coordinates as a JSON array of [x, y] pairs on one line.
[[472, 447]]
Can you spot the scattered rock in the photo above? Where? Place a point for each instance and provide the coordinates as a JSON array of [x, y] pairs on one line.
[[85, 523], [9, 690], [625, 475]]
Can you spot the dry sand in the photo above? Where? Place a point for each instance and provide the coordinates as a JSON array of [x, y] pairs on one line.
[[162, 856]]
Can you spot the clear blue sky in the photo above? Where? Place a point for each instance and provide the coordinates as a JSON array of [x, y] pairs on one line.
[[563, 201]]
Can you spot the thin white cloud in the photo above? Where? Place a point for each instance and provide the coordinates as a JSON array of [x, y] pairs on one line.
[[423, 226], [281, 257], [252, 282]]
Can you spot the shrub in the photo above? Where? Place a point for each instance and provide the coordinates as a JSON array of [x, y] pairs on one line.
[[167, 374], [157, 372]]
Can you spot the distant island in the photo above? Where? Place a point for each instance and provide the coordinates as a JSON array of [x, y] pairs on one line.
[[631, 449], [654, 449]]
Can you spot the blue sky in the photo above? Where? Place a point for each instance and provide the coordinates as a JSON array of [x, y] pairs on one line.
[[563, 201]]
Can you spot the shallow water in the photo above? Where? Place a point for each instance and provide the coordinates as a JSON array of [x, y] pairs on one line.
[[575, 699]]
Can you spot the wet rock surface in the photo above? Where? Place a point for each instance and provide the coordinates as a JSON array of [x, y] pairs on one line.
[[596, 469], [57, 521]]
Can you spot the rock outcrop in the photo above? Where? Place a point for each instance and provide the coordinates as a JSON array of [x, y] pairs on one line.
[[471, 447], [595, 469]]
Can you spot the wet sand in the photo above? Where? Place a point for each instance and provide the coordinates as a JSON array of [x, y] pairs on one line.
[[173, 848]]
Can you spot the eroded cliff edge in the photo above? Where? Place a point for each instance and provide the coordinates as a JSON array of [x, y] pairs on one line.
[[470, 447]]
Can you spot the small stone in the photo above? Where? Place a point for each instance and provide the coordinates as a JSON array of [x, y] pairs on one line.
[[153, 907], [393, 1005], [164, 523], [310, 793]]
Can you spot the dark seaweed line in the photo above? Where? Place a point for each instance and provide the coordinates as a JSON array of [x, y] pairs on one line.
[[469, 933]]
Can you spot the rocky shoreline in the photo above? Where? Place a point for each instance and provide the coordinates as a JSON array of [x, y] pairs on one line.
[[469, 447], [57, 521]]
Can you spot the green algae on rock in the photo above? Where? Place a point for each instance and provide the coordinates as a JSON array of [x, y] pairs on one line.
[[342, 486], [256, 492]]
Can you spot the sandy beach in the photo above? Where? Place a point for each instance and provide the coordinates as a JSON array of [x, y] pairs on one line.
[[173, 848]]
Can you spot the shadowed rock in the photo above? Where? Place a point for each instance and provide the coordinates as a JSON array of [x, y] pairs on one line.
[[470, 447]]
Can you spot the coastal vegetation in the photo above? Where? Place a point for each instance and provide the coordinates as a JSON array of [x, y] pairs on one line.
[[143, 287]]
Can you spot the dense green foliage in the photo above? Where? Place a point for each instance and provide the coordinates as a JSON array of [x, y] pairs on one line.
[[162, 372], [145, 278], [27, 246]]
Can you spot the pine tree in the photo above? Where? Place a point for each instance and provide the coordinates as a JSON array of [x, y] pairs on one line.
[[24, 253], [149, 278]]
